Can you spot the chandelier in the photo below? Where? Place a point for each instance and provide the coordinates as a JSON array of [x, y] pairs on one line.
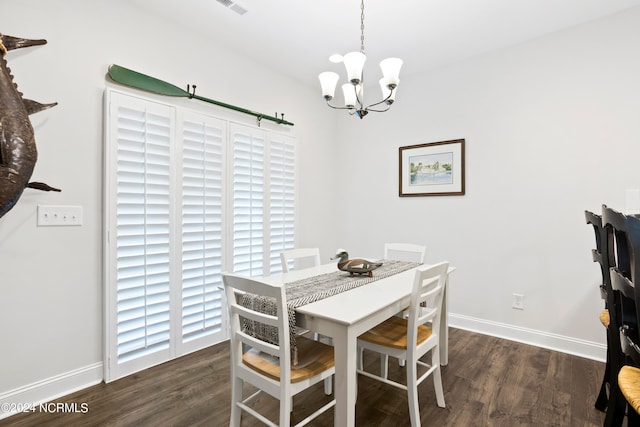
[[353, 91]]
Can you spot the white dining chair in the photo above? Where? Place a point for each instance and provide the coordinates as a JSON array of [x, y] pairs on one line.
[[410, 338], [405, 252], [267, 365], [309, 257]]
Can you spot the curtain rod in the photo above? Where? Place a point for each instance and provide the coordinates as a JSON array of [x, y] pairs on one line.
[[151, 84]]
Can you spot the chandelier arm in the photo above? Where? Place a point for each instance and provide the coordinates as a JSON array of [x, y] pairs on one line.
[[377, 111], [377, 103], [380, 102], [340, 108]]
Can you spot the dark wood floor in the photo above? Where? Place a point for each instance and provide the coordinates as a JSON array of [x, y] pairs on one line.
[[488, 382]]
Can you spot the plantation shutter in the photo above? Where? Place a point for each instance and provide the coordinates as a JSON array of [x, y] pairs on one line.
[[282, 198], [202, 228], [248, 200], [142, 231], [187, 196]]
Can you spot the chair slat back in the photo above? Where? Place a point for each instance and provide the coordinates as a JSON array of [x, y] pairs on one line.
[[615, 221], [289, 258], [427, 300], [603, 253], [405, 252], [429, 283], [596, 221], [628, 314], [632, 227], [235, 288]]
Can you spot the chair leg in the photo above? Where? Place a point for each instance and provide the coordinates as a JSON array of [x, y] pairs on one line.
[[236, 396], [384, 365], [328, 386], [602, 400], [615, 408], [412, 393], [633, 418], [286, 407], [437, 376], [616, 404]]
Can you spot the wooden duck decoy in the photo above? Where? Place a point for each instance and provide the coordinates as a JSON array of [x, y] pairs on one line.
[[355, 266]]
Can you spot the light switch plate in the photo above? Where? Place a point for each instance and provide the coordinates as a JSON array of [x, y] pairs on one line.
[[59, 216]]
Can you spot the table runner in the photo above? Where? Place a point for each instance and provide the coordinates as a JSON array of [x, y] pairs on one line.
[[308, 290]]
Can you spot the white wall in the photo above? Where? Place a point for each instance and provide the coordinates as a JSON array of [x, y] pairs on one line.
[[551, 129], [50, 278]]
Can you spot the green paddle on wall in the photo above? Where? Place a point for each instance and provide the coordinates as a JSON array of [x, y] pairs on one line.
[[150, 84]]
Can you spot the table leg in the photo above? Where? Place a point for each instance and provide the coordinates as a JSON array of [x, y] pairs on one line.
[[345, 353]]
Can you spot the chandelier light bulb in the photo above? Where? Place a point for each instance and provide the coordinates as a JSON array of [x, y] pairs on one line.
[[328, 81], [388, 95], [354, 63], [391, 70], [349, 95]]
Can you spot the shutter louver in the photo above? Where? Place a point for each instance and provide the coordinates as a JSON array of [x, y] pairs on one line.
[[248, 203], [143, 233], [202, 172], [282, 200]]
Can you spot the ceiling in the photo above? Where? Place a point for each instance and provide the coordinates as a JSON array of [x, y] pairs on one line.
[[296, 37]]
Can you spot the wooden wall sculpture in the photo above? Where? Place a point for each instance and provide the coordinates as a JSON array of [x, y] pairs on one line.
[[18, 152]]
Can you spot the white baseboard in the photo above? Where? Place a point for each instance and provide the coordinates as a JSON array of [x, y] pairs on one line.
[[564, 344], [50, 388]]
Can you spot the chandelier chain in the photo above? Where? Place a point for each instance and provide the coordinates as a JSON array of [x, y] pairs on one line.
[[362, 26]]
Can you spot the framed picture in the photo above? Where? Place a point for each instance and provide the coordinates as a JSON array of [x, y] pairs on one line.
[[434, 169]]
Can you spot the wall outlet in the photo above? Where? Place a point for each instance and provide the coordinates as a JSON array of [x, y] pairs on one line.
[[518, 301]]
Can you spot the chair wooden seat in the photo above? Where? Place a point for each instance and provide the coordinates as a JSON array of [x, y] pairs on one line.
[[314, 358], [605, 317], [393, 333], [629, 382]]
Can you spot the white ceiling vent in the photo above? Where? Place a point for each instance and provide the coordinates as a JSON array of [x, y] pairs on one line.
[[240, 10]]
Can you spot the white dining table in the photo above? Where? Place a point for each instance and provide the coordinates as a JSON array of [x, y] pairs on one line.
[[347, 315]]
